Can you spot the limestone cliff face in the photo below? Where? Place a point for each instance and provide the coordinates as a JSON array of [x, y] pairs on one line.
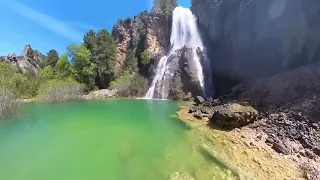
[[121, 32], [145, 32], [250, 39], [28, 61], [158, 33]]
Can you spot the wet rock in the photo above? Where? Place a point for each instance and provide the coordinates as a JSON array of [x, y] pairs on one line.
[[233, 115]]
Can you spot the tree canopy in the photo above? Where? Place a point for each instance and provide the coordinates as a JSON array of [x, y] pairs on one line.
[[52, 58]]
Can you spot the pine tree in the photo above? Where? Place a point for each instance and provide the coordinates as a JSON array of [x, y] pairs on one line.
[[105, 50], [52, 58]]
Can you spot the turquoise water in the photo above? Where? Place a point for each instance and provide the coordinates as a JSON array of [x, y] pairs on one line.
[[110, 140]]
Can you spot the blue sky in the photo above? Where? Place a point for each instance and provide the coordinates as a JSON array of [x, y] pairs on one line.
[[55, 24]]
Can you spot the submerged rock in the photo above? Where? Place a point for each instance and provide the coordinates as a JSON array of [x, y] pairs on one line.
[[180, 176]]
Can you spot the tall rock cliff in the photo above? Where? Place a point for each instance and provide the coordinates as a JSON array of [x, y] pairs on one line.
[[250, 39], [146, 32]]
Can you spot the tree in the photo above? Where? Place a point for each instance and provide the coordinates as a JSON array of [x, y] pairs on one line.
[[130, 63], [52, 58], [105, 55], [7, 76], [83, 68], [90, 40], [63, 67], [166, 6], [46, 73]]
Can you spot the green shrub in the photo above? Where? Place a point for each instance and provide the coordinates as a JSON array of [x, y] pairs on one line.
[[9, 105], [21, 85], [58, 91], [27, 85], [145, 57], [130, 85]]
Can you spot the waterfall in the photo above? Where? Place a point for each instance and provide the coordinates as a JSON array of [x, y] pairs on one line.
[[184, 34]]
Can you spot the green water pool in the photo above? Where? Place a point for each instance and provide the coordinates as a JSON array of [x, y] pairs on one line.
[[101, 140]]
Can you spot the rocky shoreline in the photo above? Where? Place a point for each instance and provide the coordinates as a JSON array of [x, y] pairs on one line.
[[289, 133], [241, 150]]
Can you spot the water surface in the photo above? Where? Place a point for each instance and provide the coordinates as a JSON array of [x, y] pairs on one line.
[[110, 140]]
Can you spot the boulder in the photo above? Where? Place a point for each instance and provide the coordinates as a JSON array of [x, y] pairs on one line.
[[233, 115], [199, 100]]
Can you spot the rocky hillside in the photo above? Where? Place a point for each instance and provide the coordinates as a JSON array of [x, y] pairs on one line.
[[29, 61], [250, 39]]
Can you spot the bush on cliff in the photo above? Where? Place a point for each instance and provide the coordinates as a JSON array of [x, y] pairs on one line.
[[145, 57], [9, 105], [60, 90], [130, 85]]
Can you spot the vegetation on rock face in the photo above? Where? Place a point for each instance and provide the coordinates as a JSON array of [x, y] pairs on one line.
[[130, 63], [145, 58]]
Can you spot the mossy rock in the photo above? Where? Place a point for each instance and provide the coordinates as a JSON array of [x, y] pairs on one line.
[[233, 115]]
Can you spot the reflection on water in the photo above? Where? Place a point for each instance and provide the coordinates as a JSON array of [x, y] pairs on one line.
[[114, 139]]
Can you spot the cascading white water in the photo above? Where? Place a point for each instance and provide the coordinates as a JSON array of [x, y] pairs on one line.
[[184, 33]]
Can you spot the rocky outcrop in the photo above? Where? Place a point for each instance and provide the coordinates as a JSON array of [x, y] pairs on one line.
[[158, 33], [28, 61], [250, 39], [297, 90], [181, 76], [121, 32]]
